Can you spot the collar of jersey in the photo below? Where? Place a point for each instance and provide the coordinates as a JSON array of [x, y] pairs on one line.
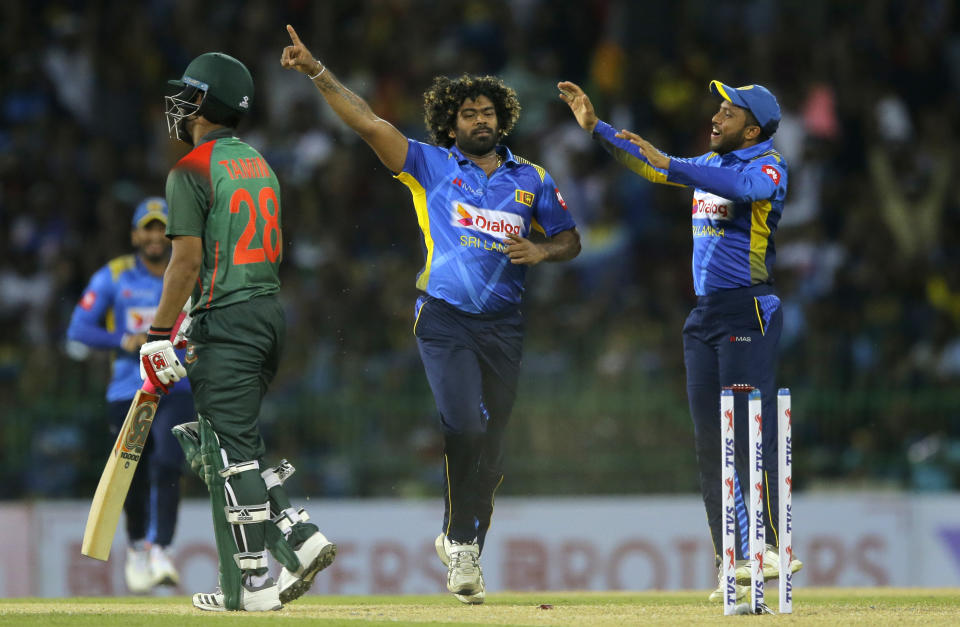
[[746, 154], [501, 150], [220, 133]]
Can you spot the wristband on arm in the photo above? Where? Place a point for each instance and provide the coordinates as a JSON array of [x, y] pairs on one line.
[[159, 333]]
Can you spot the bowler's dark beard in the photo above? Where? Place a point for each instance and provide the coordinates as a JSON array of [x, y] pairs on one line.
[[477, 146]]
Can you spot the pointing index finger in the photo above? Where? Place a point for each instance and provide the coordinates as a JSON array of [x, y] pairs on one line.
[[293, 36]]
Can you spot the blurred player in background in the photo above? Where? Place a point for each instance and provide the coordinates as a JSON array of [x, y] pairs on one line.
[[225, 227], [731, 336], [115, 312], [476, 204]]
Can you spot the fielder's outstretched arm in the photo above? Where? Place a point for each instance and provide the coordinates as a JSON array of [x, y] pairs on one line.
[[629, 149], [389, 143]]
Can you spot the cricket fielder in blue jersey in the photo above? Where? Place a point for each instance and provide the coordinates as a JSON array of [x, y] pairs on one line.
[[114, 313], [476, 204], [731, 336]]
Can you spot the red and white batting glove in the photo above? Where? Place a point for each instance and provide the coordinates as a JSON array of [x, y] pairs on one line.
[[180, 339], [159, 365]]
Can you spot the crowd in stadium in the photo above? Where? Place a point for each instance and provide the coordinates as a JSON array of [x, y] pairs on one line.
[[867, 249]]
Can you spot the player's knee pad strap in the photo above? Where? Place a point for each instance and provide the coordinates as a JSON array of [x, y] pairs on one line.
[[273, 477], [238, 467], [287, 519], [251, 561], [247, 514]]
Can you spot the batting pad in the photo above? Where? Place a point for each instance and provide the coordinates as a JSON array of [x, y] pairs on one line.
[[226, 544]]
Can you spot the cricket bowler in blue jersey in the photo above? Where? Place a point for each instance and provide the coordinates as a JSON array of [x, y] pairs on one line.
[[731, 336], [476, 204], [114, 313]]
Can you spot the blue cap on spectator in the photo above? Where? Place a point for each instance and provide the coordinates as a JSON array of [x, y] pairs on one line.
[[153, 208], [757, 98]]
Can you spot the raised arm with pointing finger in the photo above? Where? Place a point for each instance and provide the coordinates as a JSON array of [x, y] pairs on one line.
[[389, 143], [476, 205]]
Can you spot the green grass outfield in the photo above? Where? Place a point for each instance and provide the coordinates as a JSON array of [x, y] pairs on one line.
[[824, 606]]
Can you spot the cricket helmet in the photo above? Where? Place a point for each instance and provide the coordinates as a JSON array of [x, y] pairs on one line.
[[226, 87]]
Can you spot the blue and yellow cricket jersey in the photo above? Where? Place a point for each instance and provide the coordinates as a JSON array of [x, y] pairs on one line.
[[122, 297], [464, 218], [737, 204]]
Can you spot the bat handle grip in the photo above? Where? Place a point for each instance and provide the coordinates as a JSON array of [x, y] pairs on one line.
[[148, 386]]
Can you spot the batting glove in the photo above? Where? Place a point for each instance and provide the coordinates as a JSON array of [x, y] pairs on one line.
[[180, 339], [159, 365]]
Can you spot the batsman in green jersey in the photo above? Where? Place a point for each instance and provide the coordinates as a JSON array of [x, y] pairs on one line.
[[225, 226]]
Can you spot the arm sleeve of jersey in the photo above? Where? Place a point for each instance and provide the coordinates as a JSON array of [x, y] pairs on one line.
[[85, 323], [757, 181], [187, 198], [550, 211], [630, 156], [417, 164]]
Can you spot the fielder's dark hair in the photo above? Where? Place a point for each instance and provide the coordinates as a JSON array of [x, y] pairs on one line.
[[753, 121], [442, 101]]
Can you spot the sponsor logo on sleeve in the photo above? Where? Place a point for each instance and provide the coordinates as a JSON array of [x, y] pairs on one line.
[[88, 300], [772, 172], [560, 198]]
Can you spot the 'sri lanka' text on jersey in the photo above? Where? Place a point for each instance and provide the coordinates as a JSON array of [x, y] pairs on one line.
[[464, 218], [737, 204], [121, 298], [224, 192]]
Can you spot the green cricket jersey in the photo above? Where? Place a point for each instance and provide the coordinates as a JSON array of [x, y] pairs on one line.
[[224, 192]]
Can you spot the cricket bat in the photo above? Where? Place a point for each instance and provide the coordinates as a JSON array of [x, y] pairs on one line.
[[118, 473]]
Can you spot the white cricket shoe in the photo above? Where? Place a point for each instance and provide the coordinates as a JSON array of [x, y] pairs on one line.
[[263, 598], [464, 576], [163, 571], [441, 544], [315, 554], [137, 570], [717, 595], [771, 566]]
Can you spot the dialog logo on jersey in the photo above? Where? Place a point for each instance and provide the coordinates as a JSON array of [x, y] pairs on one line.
[[711, 207], [465, 218], [488, 221], [139, 319]]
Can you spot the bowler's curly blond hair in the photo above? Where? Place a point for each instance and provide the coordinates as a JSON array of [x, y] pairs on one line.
[[442, 101]]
